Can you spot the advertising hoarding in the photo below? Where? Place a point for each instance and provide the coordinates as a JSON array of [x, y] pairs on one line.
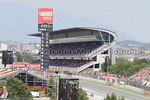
[[45, 19]]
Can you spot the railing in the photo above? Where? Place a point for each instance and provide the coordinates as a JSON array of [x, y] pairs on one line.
[[16, 72], [69, 56], [39, 74], [9, 74], [99, 50], [85, 66]]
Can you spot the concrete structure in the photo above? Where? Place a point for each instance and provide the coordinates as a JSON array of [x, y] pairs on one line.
[[79, 45]]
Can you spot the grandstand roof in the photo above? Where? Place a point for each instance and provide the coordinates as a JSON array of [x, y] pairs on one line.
[[68, 30], [77, 31]]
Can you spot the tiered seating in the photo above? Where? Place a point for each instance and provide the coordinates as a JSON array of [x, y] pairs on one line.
[[73, 48], [56, 68], [67, 63]]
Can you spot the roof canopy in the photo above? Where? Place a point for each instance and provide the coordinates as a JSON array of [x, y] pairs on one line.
[[76, 32]]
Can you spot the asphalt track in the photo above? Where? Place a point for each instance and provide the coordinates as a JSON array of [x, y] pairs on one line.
[[102, 90]]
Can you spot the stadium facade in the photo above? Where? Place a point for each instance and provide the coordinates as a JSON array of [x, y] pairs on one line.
[[79, 49]]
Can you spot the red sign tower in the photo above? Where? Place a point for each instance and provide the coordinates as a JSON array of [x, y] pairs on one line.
[[45, 25], [45, 19]]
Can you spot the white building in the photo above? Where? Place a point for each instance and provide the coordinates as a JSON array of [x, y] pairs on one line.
[[3, 46]]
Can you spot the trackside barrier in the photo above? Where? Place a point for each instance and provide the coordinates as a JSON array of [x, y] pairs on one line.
[[146, 92], [84, 78], [139, 90], [91, 79]]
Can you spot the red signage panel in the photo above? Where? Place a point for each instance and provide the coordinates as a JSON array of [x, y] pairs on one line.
[[45, 15], [45, 19]]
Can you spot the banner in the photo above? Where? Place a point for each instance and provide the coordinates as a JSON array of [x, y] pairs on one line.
[[45, 19]]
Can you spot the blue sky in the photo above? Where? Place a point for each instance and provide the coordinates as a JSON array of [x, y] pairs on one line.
[[130, 19]]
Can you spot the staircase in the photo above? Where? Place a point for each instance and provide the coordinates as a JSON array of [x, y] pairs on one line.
[[85, 66], [99, 50]]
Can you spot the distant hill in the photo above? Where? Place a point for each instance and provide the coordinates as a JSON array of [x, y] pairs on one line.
[[130, 43]]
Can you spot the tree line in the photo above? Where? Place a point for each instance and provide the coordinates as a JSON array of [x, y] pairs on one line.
[[125, 68], [24, 57]]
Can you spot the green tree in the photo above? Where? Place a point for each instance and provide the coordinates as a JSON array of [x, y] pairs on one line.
[[36, 89], [19, 56], [121, 67], [82, 95], [127, 68], [137, 65], [3, 83], [26, 57], [17, 90], [121, 98], [133, 69], [140, 61], [105, 66], [113, 97], [51, 89]]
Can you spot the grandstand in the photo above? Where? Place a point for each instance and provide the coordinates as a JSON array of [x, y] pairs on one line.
[[79, 48]]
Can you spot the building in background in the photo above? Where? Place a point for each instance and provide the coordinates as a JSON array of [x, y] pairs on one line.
[[3, 46]]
